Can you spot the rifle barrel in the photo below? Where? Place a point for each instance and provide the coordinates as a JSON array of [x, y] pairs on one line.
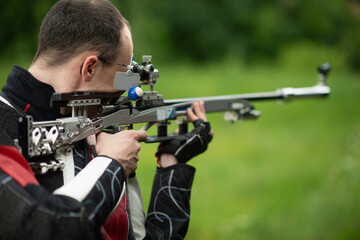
[[282, 94]]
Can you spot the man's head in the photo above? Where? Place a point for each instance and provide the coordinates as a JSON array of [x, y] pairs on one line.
[[75, 26], [80, 31]]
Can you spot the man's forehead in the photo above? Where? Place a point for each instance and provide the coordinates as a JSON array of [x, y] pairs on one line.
[[126, 50]]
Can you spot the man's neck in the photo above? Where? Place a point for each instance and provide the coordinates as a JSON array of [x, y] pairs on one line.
[[62, 78]]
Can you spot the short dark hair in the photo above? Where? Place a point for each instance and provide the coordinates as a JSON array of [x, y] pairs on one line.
[[75, 26]]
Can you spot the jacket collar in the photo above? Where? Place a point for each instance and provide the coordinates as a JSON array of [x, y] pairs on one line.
[[29, 95]]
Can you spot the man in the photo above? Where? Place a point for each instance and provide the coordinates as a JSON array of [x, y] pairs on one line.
[[82, 44]]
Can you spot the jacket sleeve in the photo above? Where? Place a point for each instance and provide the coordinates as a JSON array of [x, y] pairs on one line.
[[75, 211], [169, 210]]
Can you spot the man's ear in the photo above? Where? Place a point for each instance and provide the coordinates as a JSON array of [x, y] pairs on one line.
[[88, 68]]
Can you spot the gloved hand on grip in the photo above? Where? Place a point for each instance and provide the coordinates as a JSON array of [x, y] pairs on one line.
[[186, 146]]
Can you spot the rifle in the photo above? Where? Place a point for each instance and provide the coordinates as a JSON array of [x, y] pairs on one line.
[[118, 112]]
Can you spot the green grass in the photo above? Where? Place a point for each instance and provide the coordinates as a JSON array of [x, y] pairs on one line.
[[291, 174]]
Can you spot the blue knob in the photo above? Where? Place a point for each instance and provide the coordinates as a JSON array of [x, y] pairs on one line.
[[135, 93]]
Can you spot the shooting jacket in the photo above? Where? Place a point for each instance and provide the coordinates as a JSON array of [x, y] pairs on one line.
[[56, 206]]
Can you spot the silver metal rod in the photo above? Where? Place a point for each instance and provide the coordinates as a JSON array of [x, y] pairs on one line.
[[46, 123], [283, 93]]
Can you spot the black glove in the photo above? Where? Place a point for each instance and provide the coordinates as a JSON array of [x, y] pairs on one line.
[[186, 146]]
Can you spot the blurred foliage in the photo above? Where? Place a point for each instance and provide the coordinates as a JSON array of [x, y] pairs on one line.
[[254, 30], [20, 23], [203, 30]]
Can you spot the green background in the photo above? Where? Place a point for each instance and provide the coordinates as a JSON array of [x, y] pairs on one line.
[[291, 174]]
